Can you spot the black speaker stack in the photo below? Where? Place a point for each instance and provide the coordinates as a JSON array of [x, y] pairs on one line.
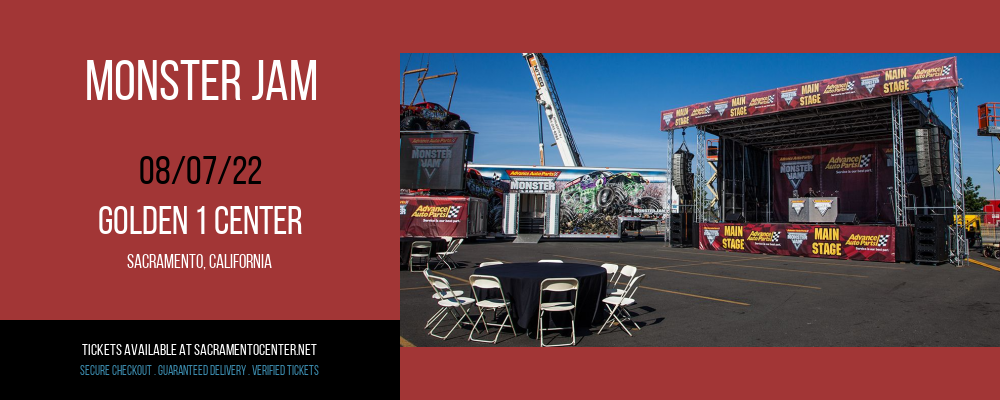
[[931, 239], [681, 176], [682, 229], [847, 219], [928, 149]]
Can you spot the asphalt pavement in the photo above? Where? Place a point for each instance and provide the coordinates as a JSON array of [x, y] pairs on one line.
[[703, 298]]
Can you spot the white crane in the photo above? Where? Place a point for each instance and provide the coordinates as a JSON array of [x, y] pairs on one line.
[[549, 99]]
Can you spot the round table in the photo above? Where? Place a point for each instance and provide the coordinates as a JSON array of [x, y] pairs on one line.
[[521, 283]]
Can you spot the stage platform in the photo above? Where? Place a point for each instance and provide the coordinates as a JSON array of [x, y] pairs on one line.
[[847, 242]]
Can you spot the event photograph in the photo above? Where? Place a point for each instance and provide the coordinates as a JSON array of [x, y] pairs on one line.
[[699, 200]]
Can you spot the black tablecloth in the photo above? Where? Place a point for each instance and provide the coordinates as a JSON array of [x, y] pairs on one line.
[[437, 245], [521, 283]]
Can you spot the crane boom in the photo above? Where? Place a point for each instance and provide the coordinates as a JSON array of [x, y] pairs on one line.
[[548, 98]]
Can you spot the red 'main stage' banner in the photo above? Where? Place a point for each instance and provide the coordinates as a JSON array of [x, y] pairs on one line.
[[934, 75], [848, 242]]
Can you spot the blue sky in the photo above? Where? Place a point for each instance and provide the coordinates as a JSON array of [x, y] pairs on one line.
[[612, 101]]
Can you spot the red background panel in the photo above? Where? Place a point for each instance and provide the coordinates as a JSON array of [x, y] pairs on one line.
[[64, 157]]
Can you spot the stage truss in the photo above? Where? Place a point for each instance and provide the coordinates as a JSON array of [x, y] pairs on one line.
[[960, 245]]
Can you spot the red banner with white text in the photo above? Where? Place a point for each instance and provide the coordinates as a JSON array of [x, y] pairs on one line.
[[933, 75]]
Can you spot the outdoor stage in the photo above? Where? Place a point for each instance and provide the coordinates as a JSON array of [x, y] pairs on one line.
[[865, 140]]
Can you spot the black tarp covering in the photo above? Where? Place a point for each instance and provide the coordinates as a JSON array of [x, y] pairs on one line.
[[742, 182]]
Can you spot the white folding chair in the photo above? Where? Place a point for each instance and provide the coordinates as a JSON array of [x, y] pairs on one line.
[[612, 271], [557, 285], [618, 305], [420, 250], [453, 304], [488, 263], [445, 256], [437, 296], [550, 261], [627, 272], [486, 282]]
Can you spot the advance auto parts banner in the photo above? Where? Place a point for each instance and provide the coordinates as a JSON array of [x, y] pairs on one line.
[[848, 242], [849, 172], [934, 75], [432, 161], [433, 216]]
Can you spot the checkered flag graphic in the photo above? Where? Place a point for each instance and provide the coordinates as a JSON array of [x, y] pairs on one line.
[[402, 209], [453, 212], [850, 85], [883, 240], [865, 160], [775, 236], [770, 98], [946, 70]]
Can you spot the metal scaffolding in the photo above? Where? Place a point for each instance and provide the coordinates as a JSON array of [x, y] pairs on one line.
[[713, 205], [960, 245], [699, 180], [668, 204], [898, 163]]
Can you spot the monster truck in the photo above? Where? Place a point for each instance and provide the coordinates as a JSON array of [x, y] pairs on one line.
[[596, 198], [429, 116]]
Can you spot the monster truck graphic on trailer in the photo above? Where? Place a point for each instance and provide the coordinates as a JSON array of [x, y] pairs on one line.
[[591, 203], [491, 190]]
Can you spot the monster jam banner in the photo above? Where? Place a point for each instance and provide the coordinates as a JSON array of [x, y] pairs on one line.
[[433, 216], [590, 199], [848, 242], [432, 161], [934, 75], [849, 172]]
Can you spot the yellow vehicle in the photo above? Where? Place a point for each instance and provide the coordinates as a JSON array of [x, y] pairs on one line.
[[973, 221]]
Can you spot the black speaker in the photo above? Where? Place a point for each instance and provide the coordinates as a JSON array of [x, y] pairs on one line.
[[847, 219], [930, 251], [735, 218], [931, 239], [923, 150], [931, 225], [937, 168], [904, 244], [682, 229], [928, 149], [680, 173]]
